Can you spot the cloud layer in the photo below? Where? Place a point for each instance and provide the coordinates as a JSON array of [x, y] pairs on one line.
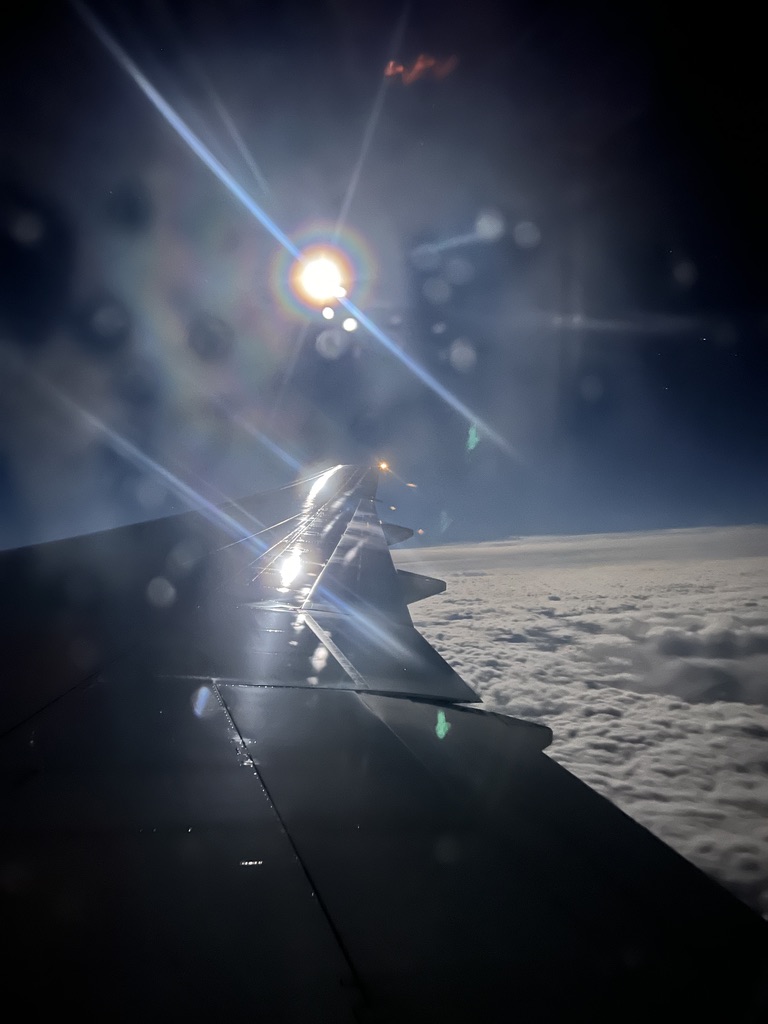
[[647, 655]]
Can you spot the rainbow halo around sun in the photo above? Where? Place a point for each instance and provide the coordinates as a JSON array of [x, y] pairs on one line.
[[331, 266]]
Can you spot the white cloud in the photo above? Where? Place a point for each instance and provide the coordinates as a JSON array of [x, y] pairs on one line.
[[647, 655]]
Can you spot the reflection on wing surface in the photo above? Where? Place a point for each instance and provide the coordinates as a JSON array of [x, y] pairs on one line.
[[262, 795], [323, 606]]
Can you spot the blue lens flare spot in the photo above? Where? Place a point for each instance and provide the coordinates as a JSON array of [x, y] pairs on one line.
[[443, 726]]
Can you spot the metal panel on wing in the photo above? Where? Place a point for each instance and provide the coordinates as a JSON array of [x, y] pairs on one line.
[[145, 874], [470, 877]]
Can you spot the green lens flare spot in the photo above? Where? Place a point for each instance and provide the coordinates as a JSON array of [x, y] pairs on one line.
[[443, 726], [473, 438]]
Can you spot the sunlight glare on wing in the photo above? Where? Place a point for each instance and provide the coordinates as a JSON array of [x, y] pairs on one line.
[[290, 568], [319, 484]]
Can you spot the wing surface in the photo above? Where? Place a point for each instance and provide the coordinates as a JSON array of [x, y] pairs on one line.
[[295, 588], [235, 780]]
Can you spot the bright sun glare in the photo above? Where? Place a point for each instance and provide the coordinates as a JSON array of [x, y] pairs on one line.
[[320, 279]]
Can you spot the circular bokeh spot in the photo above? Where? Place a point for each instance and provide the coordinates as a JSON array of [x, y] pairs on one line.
[[104, 324], [332, 343], [211, 338]]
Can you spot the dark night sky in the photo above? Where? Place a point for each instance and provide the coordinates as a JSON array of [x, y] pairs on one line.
[[613, 334]]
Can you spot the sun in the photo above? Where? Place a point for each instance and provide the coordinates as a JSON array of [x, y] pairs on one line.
[[321, 276]]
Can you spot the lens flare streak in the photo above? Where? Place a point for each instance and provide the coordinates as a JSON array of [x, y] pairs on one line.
[[144, 462], [199, 148], [196, 144]]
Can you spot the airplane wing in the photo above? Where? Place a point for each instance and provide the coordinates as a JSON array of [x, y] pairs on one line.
[[237, 783]]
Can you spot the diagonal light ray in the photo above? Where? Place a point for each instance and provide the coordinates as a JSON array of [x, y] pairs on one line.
[[354, 180], [199, 148], [136, 457], [239, 141], [182, 129], [301, 337], [455, 242], [426, 377], [267, 442], [370, 129], [242, 423], [198, 71], [141, 460]]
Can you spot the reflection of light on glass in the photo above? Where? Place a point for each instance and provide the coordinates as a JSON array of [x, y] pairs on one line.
[[26, 228], [685, 273], [230, 183], [184, 555], [420, 533], [462, 355], [161, 592], [250, 863], [331, 344], [526, 234], [459, 271], [489, 225], [320, 483], [350, 324], [426, 258], [384, 466], [319, 658], [423, 63], [203, 703], [290, 568], [393, 508], [443, 726], [436, 290], [411, 485], [327, 313], [353, 552]]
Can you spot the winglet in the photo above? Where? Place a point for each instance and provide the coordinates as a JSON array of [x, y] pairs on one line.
[[416, 587], [395, 534]]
